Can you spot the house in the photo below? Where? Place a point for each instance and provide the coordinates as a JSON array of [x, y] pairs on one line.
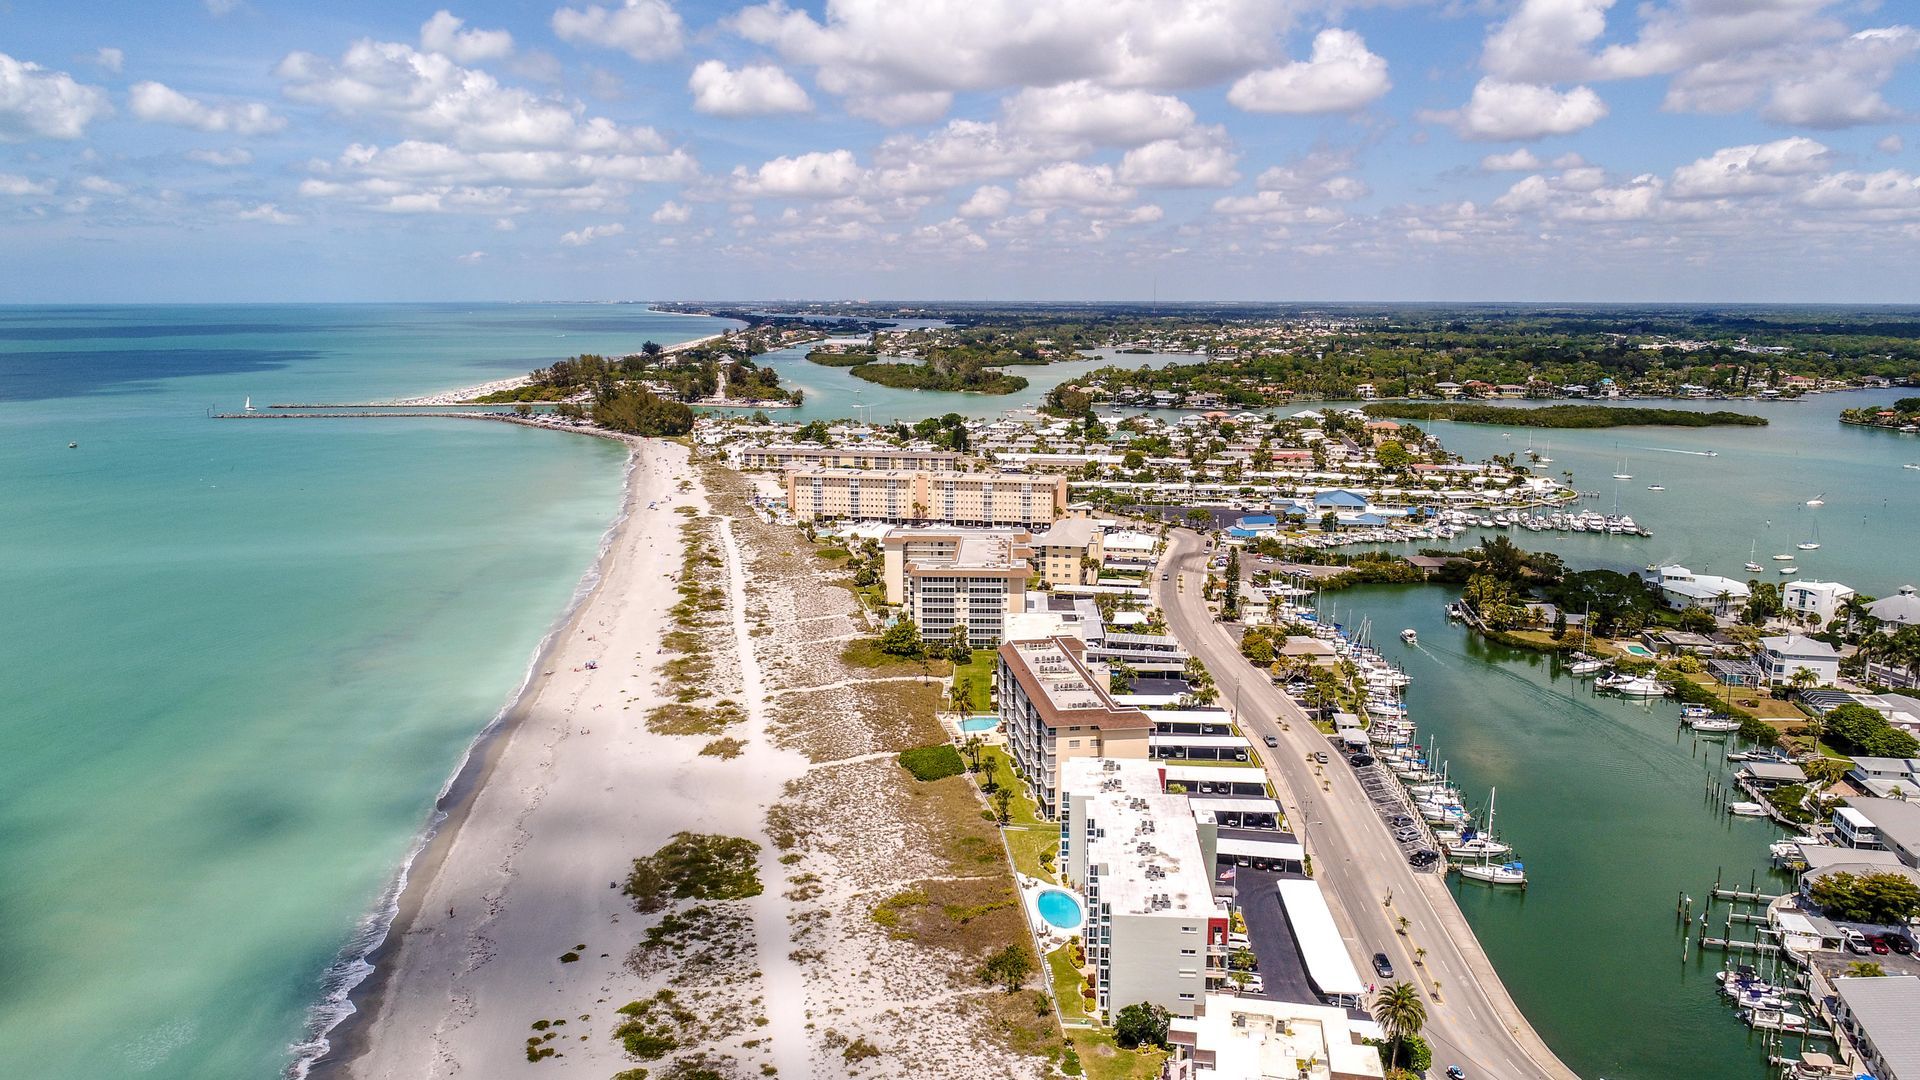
[[1895, 824], [1767, 775], [1338, 500], [1716, 595], [1886, 777], [1783, 655], [1816, 600], [1881, 1018], [1900, 609], [1448, 389]]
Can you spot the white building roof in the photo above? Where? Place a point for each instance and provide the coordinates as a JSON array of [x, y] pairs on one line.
[[1229, 774], [1888, 1009], [1253, 1039], [1236, 806], [1150, 857], [1283, 850], [1321, 946], [1903, 608], [1793, 646]]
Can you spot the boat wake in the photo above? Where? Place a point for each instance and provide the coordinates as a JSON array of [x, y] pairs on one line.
[[1671, 450]]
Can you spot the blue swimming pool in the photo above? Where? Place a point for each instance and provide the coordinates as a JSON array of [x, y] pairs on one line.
[[1639, 650], [974, 724], [1059, 908]]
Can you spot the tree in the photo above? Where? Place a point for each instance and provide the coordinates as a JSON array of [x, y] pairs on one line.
[[1230, 606], [902, 638], [1003, 805], [814, 431], [1392, 455], [959, 645], [1803, 679], [1881, 898], [1198, 518], [1865, 969], [636, 410], [1559, 625], [1008, 968], [1329, 522], [1143, 1024], [1400, 1011]]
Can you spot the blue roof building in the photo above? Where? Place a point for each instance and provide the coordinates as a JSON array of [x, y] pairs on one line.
[[1339, 500]]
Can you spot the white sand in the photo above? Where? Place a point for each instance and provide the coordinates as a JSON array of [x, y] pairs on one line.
[[579, 789]]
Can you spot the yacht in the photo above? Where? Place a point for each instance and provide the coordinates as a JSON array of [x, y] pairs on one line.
[[1789, 569], [1811, 543], [1753, 567], [1783, 558], [1631, 685], [1410, 636], [1656, 487], [1746, 809], [1911, 465], [1475, 845], [1512, 873], [1582, 664]]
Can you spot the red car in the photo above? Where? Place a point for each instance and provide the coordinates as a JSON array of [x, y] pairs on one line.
[[1878, 945]]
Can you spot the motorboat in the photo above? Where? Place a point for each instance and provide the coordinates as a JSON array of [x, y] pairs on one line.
[[1783, 558], [1789, 569], [1746, 809], [1656, 487], [1473, 845], [1689, 712], [1410, 636], [1631, 685]]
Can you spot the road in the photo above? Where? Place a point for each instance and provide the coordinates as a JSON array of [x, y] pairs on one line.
[[1471, 1020]]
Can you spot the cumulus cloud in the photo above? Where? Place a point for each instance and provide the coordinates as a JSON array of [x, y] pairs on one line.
[[1070, 183], [1750, 170], [36, 103], [818, 174], [643, 29], [964, 152], [1545, 40], [429, 93], [989, 201], [17, 186], [1501, 111], [470, 257], [671, 213], [222, 159], [108, 58], [1081, 110], [591, 233], [267, 213], [158, 103], [1521, 160], [1203, 159], [753, 90], [1340, 76], [444, 33], [1891, 144]]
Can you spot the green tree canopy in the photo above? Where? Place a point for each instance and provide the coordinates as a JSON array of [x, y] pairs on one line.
[[1143, 1024]]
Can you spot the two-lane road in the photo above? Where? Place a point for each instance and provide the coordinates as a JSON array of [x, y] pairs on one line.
[[1471, 1020]]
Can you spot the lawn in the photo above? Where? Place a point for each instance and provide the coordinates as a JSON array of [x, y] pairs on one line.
[[975, 677], [865, 653], [1103, 1059], [1032, 840], [1066, 983]]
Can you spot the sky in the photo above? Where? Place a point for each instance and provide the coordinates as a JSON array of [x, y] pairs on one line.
[[1524, 150]]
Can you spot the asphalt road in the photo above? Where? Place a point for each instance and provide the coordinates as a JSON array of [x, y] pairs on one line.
[[1471, 1020]]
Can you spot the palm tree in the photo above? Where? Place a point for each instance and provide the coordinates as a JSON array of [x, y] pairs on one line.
[[1398, 1009]]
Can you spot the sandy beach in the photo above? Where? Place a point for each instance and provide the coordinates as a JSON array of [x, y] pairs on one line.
[[468, 393]]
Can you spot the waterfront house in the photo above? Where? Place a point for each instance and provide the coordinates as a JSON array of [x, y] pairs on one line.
[[1895, 824], [1767, 775], [1783, 655], [1718, 596], [1819, 601], [1886, 777], [1900, 609], [1881, 1018]]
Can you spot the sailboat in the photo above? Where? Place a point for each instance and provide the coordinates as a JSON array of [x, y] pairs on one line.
[[1511, 873], [1753, 567], [1623, 474], [1818, 500], [1811, 543], [249, 405]]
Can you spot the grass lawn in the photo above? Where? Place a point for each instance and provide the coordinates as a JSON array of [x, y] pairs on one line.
[[1030, 837], [865, 653], [1066, 983], [1103, 1059], [976, 678]]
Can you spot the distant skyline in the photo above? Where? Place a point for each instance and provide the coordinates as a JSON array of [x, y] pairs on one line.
[[1285, 150]]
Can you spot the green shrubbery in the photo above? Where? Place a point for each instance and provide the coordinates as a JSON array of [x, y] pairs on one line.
[[933, 762], [695, 866]]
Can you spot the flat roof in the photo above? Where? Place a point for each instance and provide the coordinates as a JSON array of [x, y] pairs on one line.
[[1321, 946], [1061, 687], [1223, 774], [1231, 805], [1894, 819], [1284, 850], [1888, 1009], [1250, 1038], [1149, 856], [1212, 742], [1785, 771]]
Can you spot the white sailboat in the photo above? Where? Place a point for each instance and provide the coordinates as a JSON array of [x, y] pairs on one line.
[[1511, 873], [1753, 567], [249, 405], [1811, 543]]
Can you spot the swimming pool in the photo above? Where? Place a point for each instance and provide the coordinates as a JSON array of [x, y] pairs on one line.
[[1060, 909], [1639, 650], [975, 724]]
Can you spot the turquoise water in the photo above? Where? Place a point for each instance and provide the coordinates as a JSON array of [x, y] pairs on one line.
[[979, 723], [244, 657], [1060, 908]]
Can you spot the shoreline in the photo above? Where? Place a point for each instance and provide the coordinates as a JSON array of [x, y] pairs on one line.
[[464, 394], [328, 1053]]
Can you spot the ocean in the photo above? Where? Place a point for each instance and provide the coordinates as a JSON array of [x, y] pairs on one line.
[[243, 658]]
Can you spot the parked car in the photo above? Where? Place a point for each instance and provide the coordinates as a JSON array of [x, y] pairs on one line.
[[1406, 835], [1879, 946], [1903, 946], [1163, 577], [1360, 761], [1272, 741], [1400, 821], [1382, 966], [1424, 857]]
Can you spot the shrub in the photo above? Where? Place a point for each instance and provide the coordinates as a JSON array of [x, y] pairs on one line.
[[695, 866], [933, 762], [1142, 1024]]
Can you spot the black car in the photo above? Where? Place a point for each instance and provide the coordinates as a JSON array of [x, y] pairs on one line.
[[1382, 966], [1360, 761], [1900, 945], [1424, 857]]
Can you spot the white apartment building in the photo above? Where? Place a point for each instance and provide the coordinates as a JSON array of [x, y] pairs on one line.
[[856, 456], [1154, 930], [1071, 552], [1818, 600], [903, 495], [957, 577], [1054, 708], [1239, 1038]]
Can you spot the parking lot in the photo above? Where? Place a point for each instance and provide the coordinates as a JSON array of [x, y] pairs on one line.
[[1390, 800], [1283, 973]]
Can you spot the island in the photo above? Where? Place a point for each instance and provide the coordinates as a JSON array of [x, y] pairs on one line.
[[1559, 416], [1902, 415]]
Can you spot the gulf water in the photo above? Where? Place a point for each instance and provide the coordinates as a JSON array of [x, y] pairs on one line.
[[241, 658]]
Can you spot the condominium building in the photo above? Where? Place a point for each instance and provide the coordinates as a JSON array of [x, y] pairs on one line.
[[1071, 552], [1154, 930], [957, 577], [956, 498], [1055, 708], [844, 457], [1241, 1038]]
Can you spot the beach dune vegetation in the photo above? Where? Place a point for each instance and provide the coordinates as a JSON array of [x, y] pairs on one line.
[[933, 762], [695, 866], [636, 410]]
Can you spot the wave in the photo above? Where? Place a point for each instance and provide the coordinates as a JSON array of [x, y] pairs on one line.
[[354, 962]]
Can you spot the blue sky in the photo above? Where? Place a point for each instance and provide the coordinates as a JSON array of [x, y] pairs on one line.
[[235, 150]]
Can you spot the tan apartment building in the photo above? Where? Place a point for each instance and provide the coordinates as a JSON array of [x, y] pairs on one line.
[[845, 457], [1062, 553], [952, 577], [1055, 708], [906, 495]]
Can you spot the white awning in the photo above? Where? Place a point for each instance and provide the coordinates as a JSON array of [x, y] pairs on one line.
[[1212, 774], [1237, 806], [1209, 742], [1280, 850], [1328, 964]]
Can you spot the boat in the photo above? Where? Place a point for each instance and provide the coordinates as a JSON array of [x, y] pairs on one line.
[[1746, 809], [1911, 465], [1782, 558], [1753, 567], [1714, 725], [1818, 500], [1789, 569], [1512, 873], [1695, 712], [73, 446], [1631, 685], [1582, 664], [1410, 636], [249, 404], [1811, 543], [1656, 487]]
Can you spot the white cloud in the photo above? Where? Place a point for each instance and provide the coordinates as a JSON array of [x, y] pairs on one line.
[[417, 160], [1203, 159], [222, 159], [1545, 40], [917, 107], [753, 90], [1073, 184], [1891, 144], [989, 201], [1500, 111], [100, 185], [36, 103], [591, 233], [1750, 170], [962, 152], [1892, 189], [1277, 208], [671, 213], [1080, 110], [429, 93], [443, 34], [1841, 86], [217, 8], [17, 185], [268, 213], [110, 59], [1340, 76], [158, 103], [470, 257], [818, 174], [643, 29], [1521, 160]]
